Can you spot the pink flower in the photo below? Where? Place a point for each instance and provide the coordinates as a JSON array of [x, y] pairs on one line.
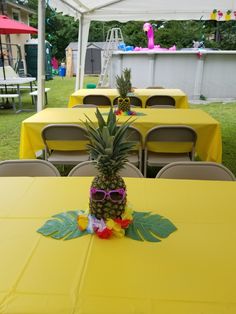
[[220, 14]]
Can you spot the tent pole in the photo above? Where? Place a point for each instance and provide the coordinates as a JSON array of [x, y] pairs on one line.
[[7, 104], [41, 54], [2, 58], [79, 54], [82, 45]]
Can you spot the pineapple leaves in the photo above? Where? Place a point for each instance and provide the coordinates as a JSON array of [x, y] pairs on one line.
[[123, 83], [149, 227], [63, 226], [101, 121], [111, 122], [109, 144]]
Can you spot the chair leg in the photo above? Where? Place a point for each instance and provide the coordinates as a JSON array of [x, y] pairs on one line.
[[46, 98], [13, 104], [33, 101], [140, 160], [145, 164]]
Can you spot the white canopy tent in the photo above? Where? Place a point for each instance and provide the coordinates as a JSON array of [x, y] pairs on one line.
[[121, 10]]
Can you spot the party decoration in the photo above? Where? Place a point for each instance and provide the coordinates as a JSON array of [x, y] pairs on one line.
[[129, 112], [228, 15], [109, 147], [109, 213], [147, 27], [199, 54], [124, 86], [220, 14], [122, 46], [214, 15], [140, 226]]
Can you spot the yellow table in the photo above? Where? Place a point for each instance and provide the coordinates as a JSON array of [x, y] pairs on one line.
[[180, 97], [191, 271], [208, 129]]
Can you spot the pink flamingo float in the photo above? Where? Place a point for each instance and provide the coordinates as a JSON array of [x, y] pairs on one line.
[[147, 27]]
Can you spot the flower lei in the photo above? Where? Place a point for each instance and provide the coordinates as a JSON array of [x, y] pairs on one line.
[[125, 113], [104, 229]]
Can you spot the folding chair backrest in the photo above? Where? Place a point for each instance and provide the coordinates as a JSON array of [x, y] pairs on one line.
[[196, 170], [27, 168], [64, 132], [133, 134], [54, 133], [130, 171], [134, 101], [155, 87], [98, 100], [85, 106], [161, 100], [173, 134], [88, 168], [161, 106], [84, 169]]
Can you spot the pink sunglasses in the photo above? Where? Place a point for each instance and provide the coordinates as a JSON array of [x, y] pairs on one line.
[[114, 195]]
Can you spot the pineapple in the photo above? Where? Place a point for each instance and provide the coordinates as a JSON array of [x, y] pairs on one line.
[[123, 85], [127, 76], [109, 147]]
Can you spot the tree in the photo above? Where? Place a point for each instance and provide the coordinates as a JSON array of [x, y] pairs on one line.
[[60, 30]]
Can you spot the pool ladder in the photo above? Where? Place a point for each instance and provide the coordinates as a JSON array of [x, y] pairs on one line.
[[113, 39]]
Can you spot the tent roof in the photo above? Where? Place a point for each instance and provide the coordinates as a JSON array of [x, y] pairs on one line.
[[125, 10]]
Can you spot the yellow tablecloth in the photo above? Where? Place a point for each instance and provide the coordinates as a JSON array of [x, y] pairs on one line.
[[180, 97], [191, 271], [208, 147]]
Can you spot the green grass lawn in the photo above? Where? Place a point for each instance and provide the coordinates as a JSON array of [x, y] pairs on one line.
[[58, 96]]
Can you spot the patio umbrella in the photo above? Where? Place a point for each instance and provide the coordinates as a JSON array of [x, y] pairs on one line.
[[9, 26]]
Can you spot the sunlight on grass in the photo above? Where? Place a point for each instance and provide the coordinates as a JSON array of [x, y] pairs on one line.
[[58, 96]]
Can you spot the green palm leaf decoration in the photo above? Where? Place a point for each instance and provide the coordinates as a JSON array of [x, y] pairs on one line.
[[149, 227], [63, 226]]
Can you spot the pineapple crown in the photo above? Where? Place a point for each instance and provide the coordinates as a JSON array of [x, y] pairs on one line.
[[123, 83], [108, 143]]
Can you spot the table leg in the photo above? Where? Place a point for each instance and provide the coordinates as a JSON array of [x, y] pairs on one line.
[[20, 102], [32, 97]]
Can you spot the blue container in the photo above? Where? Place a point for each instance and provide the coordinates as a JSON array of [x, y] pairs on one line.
[[62, 71]]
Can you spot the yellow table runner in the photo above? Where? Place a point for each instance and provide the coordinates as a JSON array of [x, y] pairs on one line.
[[209, 146], [192, 271], [180, 97]]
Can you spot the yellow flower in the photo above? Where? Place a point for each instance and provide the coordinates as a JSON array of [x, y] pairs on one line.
[[214, 15], [228, 16], [110, 223], [119, 234], [127, 213], [115, 227], [83, 222]]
